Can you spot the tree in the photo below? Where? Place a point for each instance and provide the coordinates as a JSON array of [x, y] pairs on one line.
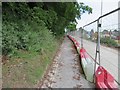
[[23, 18], [71, 27]]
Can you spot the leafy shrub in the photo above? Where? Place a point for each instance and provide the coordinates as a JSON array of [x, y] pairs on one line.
[[109, 42], [30, 37], [27, 26]]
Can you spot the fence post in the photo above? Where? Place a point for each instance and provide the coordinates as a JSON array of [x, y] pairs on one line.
[[99, 26], [97, 47]]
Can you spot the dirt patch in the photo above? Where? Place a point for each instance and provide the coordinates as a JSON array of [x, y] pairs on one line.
[[5, 59]]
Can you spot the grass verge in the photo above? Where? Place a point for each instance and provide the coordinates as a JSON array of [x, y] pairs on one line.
[[27, 68]]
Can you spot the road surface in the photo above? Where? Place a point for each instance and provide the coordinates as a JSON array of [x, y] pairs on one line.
[[66, 71]]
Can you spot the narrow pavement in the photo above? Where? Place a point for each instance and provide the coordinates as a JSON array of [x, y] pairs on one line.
[[66, 71]]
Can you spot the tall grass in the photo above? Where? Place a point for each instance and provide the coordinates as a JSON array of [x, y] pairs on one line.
[[28, 62]]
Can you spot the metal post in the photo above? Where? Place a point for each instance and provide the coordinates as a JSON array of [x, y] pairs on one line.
[[101, 14], [99, 26], [97, 46]]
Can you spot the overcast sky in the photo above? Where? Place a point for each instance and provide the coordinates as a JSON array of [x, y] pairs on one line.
[[107, 6]]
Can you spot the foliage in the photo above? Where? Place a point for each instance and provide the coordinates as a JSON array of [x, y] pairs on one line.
[[71, 27], [27, 25], [109, 42]]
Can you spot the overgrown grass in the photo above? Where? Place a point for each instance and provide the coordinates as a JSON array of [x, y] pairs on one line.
[[27, 70]]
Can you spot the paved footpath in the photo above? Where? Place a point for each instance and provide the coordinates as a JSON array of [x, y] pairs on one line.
[[66, 71]]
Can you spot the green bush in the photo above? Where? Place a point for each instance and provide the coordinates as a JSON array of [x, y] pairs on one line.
[[29, 36], [108, 42], [26, 26]]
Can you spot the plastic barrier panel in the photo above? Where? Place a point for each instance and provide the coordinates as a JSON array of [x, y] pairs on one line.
[[104, 79], [87, 65], [84, 63], [109, 80], [89, 69], [99, 77]]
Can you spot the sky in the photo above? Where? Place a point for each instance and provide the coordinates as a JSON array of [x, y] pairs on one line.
[[107, 6]]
